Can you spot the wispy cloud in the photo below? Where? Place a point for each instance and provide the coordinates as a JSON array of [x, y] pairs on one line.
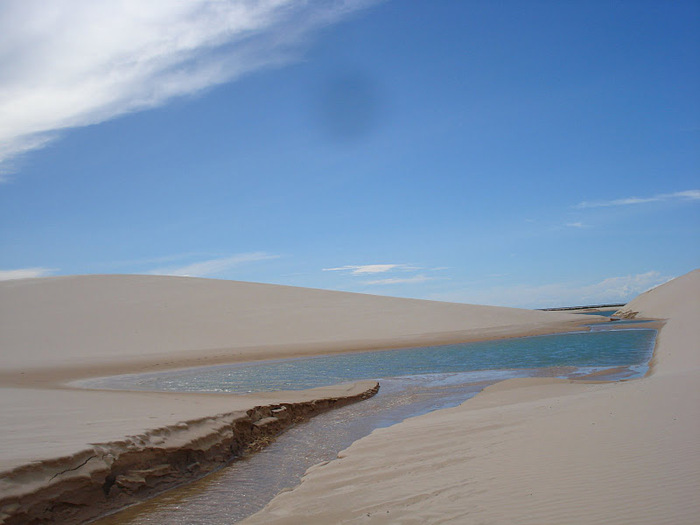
[[214, 266], [575, 225], [25, 273], [400, 280], [81, 62], [406, 273], [689, 195], [370, 268], [618, 289]]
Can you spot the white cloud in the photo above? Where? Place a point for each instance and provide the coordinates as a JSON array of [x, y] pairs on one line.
[[367, 270], [575, 225], [213, 266], [692, 195], [370, 268], [398, 280], [25, 273], [620, 289], [79, 62]]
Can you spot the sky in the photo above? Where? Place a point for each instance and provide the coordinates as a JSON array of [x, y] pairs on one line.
[[529, 154]]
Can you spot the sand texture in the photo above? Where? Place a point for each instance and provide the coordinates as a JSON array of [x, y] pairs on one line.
[[534, 451], [91, 479], [66, 452]]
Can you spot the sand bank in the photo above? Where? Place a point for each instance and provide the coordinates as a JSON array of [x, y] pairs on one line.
[[82, 479], [534, 450], [79, 450]]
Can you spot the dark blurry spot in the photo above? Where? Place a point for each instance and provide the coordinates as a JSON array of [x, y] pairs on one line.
[[348, 107]]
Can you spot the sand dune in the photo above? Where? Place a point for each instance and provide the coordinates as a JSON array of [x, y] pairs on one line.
[[123, 322], [64, 447], [534, 450]]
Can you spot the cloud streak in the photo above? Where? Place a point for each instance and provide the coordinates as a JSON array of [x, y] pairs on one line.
[[25, 273], [80, 62], [370, 268], [689, 195], [213, 266]]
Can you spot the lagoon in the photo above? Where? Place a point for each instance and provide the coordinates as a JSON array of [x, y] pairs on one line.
[[413, 381], [598, 349]]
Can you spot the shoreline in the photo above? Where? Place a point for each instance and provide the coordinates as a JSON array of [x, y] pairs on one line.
[[100, 383], [60, 377]]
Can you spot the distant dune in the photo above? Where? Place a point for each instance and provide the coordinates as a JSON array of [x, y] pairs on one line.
[[126, 320]]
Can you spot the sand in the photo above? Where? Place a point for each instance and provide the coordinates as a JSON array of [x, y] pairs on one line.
[[87, 325], [534, 450], [76, 450]]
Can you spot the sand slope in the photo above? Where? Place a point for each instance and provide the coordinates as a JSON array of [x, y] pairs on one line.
[[532, 450], [54, 330], [125, 320]]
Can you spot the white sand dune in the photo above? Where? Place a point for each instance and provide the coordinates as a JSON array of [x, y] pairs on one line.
[[534, 450], [126, 321], [54, 330]]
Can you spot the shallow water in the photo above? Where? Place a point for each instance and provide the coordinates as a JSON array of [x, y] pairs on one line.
[[580, 349], [245, 486], [604, 313], [424, 379]]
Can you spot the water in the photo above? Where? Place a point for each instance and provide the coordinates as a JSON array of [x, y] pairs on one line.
[[245, 486], [413, 381], [604, 313], [608, 348]]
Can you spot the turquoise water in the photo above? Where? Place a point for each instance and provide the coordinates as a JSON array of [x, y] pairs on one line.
[[413, 381], [599, 349], [604, 313]]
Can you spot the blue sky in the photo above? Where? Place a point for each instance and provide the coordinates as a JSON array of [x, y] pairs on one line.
[[518, 153]]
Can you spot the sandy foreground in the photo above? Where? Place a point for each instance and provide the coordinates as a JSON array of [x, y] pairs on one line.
[[534, 450], [102, 449]]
